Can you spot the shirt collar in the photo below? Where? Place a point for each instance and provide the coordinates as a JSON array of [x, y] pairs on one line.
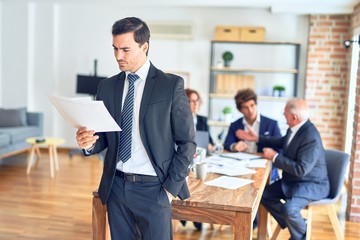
[[296, 128], [256, 121], [143, 71]]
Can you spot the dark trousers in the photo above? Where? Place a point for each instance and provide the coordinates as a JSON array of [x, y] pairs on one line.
[[139, 210], [286, 213]]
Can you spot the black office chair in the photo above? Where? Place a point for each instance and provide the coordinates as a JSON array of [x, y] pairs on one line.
[[337, 163]]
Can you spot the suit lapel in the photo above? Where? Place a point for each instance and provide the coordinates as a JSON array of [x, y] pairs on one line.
[[262, 126], [149, 85], [118, 95], [296, 138]]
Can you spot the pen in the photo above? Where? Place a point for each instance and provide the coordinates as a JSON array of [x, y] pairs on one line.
[[219, 165], [240, 159]]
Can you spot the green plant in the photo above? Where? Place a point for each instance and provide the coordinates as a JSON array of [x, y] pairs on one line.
[[227, 110], [227, 56], [278, 88]]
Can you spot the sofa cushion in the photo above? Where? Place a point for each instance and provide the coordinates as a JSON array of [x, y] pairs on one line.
[[4, 139], [13, 117], [21, 133]]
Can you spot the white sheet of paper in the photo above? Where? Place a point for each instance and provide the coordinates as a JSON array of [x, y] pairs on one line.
[[229, 182], [82, 112], [240, 156], [227, 166], [258, 163]]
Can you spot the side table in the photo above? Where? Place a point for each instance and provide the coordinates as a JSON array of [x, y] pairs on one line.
[[51, 143]]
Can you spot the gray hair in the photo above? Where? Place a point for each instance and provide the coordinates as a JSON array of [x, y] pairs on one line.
[[299, 107]]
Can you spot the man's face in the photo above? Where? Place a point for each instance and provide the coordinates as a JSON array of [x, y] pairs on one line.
[[290, 118], [129, 55], [249, 110]]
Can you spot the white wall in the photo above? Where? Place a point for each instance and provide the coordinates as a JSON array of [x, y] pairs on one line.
[[0, 53], [44, 46]]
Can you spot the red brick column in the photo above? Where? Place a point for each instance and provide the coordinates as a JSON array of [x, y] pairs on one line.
[[353, 203], [327, 76], [326, 90]]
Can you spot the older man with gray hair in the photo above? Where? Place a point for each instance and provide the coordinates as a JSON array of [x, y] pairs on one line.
[[304, 178]]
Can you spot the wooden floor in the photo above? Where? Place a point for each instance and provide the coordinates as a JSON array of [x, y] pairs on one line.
[[37, 207]]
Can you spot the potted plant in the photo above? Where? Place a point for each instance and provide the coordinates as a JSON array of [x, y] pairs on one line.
[[278, 91], [227, 111], [227, 57]]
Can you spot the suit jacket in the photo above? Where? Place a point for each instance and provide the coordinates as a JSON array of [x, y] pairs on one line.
[[303, 163], [165, 121], [202, 125], [268, 127]]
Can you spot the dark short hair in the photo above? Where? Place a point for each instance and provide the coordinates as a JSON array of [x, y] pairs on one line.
[[190, 91], [243, 96], [132, 24]]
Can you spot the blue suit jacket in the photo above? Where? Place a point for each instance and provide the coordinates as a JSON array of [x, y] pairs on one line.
[[268, 127], [165, 121], [303, 163]]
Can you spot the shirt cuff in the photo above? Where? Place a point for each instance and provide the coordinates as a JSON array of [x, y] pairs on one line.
[[273, 160], [232, 146], [89, 150]]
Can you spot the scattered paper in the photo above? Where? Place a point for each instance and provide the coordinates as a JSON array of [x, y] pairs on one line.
[[229, 182], [82, 112], [258, 163], [240, 156], [227, 166]]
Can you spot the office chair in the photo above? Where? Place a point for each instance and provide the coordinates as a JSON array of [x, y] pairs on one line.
[[337, 163]]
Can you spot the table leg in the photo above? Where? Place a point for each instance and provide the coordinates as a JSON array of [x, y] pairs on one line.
[[31, 157], [262, 222], [38, 155], [98, 219], [56, 158], [51, 156], [38, 151], [243, 226]]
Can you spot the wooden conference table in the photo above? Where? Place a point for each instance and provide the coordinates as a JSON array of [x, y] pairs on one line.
[[212, 205]]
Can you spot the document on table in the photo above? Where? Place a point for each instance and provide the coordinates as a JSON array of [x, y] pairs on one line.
[[227, 166], [240, 156], [258, 163], [229, 182], [82, 112]]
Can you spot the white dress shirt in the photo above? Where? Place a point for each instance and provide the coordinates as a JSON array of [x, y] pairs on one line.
[[139, 162], [252, 146]]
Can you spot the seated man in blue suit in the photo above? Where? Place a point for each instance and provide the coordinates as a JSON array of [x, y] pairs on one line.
[[246, 103], [302, 160]]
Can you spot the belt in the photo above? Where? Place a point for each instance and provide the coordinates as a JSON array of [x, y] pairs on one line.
[[131, 177]]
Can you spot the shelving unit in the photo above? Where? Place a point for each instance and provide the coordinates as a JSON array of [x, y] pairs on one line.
[[260, 65]]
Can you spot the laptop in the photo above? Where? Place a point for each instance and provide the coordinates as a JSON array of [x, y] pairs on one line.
[[202, 139]]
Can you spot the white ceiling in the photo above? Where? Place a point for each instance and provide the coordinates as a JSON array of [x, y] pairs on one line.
[[275, 6]]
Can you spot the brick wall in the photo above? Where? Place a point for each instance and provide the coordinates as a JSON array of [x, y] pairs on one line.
[[353, 203], [326, 91], [327, 76]]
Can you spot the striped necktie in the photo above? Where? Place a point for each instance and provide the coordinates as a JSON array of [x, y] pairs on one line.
[[124, 151]]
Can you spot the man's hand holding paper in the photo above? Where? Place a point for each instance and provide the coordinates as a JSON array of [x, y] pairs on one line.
[[86, 138]]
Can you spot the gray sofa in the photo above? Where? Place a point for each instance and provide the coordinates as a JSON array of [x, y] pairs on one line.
[[15, 126]]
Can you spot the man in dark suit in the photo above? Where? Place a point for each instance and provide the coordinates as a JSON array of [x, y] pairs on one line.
[[246, 103], [146, 163], [302, 160]]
